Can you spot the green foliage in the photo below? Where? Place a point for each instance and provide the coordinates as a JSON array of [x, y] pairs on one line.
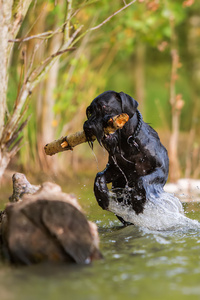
[[105, 59]]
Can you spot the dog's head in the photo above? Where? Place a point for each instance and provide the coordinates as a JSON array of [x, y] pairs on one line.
[[102, 108]]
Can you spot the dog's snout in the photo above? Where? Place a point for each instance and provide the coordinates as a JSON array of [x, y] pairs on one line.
[[88, 129], [87, 126], [92, 129]]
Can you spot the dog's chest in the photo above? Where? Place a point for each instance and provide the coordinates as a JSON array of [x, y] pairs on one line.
[[134, 161]]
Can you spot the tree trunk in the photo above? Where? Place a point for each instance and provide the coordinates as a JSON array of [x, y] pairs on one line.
[[5, 24], [173, 149], [192, 164], [140, 74], [47, 132], [176, 103], [11, 15]]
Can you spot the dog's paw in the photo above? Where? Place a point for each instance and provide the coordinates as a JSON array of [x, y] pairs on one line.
[[140, 183], [138, 199], [101, 192], [103, 203]]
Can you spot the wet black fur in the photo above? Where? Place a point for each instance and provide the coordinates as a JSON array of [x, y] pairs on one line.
[[140, 164]]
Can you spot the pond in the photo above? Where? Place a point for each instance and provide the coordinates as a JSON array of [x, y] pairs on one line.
[[137, 263]]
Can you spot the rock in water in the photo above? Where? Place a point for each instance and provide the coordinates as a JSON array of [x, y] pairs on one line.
[[48, 225]]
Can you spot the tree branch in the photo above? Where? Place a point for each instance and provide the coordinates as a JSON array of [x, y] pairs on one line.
[[104, 22], [111, 16], [67, 23], [38, 73], [19, 11], [36, 36]]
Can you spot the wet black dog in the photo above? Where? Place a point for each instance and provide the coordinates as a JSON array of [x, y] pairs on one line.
[[137, 162]]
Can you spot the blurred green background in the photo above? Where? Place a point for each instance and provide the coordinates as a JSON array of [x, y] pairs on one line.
[[133, 53]]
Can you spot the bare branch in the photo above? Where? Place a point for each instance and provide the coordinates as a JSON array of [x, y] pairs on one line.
[[47, 34], [16, 134], [104, 22], [111, 16], [35, 77], [36, 20], [16, 117], [41, 70], [19, 12], [5, 18], [16, 147], [36, 47], [57, 54], [36, 36], [67, 25]]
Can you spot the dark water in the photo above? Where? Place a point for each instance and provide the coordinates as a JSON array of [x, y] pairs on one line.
[[137, 264]]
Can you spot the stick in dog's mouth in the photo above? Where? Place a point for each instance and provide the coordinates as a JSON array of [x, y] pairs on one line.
[[116, 122], [70, 141]]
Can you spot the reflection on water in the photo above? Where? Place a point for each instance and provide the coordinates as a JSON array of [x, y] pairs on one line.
[[137, 263]]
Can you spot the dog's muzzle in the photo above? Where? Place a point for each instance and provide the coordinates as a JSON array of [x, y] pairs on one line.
[[89, 130], [92, 129], [109, 141]]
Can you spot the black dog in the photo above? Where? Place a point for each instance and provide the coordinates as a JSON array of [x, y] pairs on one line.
[[138, 162]]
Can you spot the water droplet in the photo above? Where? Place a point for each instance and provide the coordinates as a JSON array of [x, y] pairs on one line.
[[96, 159], [116, 255]]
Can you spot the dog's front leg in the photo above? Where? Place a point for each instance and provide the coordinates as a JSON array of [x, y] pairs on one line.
[[100, 186], [153, 180]]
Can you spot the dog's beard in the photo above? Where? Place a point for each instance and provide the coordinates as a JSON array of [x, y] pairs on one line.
[[112, 143], [93, 130]]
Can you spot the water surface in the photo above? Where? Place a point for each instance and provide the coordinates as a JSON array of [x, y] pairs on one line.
[[137, 263]]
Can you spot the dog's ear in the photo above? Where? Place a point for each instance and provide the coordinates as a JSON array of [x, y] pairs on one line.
[[129, 105]]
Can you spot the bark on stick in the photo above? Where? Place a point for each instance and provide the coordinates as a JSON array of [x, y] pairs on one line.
[[70, 141]]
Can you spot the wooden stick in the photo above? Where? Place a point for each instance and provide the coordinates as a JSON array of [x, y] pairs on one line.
[[65, 143], [74, 139]]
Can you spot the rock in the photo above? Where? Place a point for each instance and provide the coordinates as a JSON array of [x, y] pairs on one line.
[[186, 189], [47, 225]]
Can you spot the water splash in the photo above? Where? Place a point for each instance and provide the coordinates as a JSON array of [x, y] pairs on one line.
[[161, 212], [96, 159], [122, 172]]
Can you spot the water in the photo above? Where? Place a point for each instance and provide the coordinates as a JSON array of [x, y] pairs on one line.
[[162, 210], [138, 263]]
